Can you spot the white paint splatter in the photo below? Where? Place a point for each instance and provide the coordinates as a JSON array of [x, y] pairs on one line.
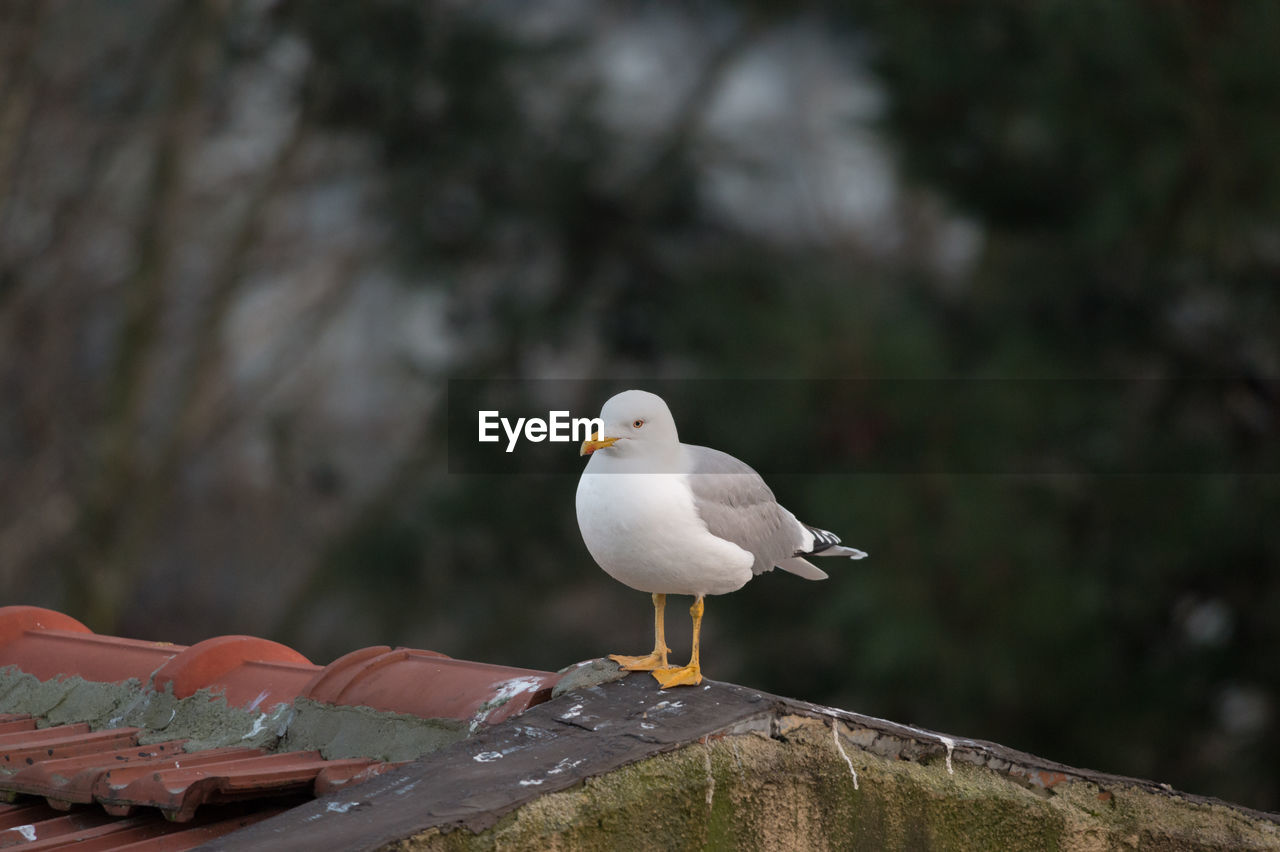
[[487, 756], [340, 807], [575, 710], [531, 782], [28, 832], [835, 736], [951, 747]]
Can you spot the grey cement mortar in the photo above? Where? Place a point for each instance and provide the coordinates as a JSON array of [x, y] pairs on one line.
[[95, 703], [338, 732], [586, 674], [206, 721], [23, 693]]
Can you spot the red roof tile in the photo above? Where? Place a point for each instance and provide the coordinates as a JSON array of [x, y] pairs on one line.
[[50, 644], [178, 785], [26, 747], [251, 672], [35, 828], [443, 688], [70, 780], [114, 758]]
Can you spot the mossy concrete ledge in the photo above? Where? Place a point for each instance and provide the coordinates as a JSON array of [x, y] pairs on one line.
[[795, 791], [624, 765]]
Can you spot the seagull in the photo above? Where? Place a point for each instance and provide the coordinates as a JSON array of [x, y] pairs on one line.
[[678, 519]]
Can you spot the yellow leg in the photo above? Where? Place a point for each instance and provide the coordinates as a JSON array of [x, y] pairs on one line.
[[689, 675], [658, 659]]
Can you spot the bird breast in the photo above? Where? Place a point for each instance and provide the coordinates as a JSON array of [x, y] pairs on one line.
[[643, 530]]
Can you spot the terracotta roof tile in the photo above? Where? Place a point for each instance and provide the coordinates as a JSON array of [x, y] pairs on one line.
[[108, 772], [179, 785], [11, 722], [249, 671], [35, 828], [444, 687], [70, 780], [49, 643], [27, 747]]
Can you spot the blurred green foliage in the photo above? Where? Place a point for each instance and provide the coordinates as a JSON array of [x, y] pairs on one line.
[[1120, 158]]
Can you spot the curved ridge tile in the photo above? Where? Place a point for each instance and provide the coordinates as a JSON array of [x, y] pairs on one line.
[[430, 685], [250, 671]]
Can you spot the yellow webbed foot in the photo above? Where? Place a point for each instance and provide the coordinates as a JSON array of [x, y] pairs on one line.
[[690, 675], [647, 663]]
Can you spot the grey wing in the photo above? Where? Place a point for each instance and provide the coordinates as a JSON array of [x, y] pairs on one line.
[[736, 505]]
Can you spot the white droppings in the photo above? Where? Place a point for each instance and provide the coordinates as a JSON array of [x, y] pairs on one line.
[[259, 725], [28, 832], [835, 736], [340, 807], [284, 718], [565, 764], [951, 747], [509, 689], [648, 726], [575, 710], [487, 756], [531, 782], [503, 691], [711, 778], [949, 742]]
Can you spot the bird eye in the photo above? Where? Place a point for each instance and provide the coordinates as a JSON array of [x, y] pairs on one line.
[[636, 424]]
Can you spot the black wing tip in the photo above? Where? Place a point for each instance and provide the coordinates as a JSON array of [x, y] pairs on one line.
[[822, 540]]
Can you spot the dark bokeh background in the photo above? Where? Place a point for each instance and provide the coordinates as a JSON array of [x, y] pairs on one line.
[[244, 246]]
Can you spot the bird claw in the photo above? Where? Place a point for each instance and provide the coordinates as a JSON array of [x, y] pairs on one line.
[[646, 663], [685, 676]]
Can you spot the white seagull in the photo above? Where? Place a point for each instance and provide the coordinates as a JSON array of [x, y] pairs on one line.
[[677, 519]]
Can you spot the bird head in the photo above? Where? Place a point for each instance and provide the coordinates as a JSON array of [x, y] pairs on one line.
[[635, 422]]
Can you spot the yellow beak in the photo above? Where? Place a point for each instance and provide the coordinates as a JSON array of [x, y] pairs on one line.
[[595, 442]]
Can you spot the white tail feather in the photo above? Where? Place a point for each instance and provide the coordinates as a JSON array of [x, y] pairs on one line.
[[802, 568]]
